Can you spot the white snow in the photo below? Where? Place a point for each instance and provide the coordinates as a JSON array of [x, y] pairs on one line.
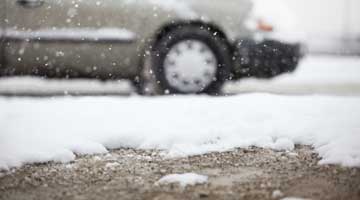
[[108, 34], [277, 194], [41, 130], [183, 179]]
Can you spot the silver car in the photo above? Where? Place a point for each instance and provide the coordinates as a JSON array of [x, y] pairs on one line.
[[163, 46]]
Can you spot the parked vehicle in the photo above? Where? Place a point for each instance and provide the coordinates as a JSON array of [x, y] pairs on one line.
[[172, 46]]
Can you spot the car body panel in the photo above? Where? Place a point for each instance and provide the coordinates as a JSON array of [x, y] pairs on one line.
[[34, 44], [57, 57]]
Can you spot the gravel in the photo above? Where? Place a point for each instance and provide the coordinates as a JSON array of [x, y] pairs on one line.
[[252, 173]]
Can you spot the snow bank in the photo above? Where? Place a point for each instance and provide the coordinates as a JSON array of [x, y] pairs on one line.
[[183, 179], [41, 130]]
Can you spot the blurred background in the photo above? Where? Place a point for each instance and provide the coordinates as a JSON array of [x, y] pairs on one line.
[[329, 30], [325, 26]]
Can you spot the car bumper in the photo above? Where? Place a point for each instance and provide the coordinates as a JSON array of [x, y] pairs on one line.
[[265, 59]]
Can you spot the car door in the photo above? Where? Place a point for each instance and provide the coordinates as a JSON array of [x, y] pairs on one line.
[[70, 38]]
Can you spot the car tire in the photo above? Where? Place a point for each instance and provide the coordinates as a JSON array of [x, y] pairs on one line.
[[189, 60]]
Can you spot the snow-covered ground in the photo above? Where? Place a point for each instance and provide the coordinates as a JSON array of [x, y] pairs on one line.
[[40, 130], [58, 128]]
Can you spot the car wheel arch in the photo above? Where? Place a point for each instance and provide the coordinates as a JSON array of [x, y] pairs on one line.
[[215, 29]]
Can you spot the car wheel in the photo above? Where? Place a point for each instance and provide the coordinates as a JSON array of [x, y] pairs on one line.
[[190, 60]]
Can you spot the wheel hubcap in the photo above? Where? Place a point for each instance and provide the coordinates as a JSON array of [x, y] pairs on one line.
[[190, 66]]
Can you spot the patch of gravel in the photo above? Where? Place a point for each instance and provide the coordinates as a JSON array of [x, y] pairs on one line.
[[252, 173]]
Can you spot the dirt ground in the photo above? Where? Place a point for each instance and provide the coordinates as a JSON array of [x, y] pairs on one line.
[[252, 173]]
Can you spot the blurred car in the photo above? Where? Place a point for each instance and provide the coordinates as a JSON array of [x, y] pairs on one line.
[[163, 46]]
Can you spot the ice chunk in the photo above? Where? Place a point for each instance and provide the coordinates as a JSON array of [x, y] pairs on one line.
[[183, 179]]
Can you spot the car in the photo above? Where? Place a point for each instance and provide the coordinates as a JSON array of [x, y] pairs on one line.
[[162, 46]]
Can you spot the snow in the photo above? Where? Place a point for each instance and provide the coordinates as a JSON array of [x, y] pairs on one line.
[[41, 130], [107, 34], [277, 194], [183, 179]]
